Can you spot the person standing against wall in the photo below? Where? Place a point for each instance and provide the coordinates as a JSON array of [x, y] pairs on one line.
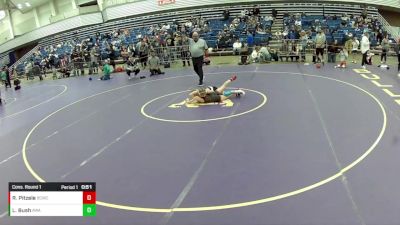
[[198, 48], [364, 48]]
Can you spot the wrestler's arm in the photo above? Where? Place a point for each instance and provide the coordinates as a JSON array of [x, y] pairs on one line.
[[194, 100], [194, 93]]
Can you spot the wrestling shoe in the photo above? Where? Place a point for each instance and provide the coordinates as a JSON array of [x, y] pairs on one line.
[[238, 92]]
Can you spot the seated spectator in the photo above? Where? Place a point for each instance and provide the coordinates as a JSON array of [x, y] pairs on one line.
[[255, 55], [259, 30], [237, 46], [244, 52], [165, 27], [244, 13], [285, 14], [278, 35], [226, 14], [333, 49], [274, 54], [222, 41], [154, 64], [256, 10], [236, 21], [107, 70], [196, 29], [265, 56], [188, 24]]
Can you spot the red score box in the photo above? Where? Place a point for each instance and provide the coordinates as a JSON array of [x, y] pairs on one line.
[[89, 197]]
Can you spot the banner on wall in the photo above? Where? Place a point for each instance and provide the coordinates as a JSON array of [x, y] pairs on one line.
[[165, 2]]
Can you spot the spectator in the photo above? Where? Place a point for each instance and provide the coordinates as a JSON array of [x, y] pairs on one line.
[[106, 70], [365, 45], [332, 50], [154, 64], [354, 49], [364, 13], [293, 51], [343, 55], [226, 14], [243, 13], [64, 67], [17, 85], [244, 52], [143, 49], [93, 64], [255, 55], [274, 54], [8, 78], [320, 40], [185, 54], [132, 65], [250, 40], [237, 46], [385, 49], [349, 44], [124, 54], [3, 76], [265, 56], [303, 45], [256, 10], [274, 13]]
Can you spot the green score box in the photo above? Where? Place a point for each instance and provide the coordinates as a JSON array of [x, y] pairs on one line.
[[89, 210]]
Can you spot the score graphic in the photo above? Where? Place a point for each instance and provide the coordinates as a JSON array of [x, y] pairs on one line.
[[52, 199]]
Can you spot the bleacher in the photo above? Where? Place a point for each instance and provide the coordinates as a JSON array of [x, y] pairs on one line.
[[138, 25]]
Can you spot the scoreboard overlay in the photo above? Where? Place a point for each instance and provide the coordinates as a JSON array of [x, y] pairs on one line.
[[51, 199]]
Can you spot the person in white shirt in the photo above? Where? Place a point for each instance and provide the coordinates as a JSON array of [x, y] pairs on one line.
[[355, 44], [165, 27], [236, 47], [188, 24], [364, 48], [255, 55]]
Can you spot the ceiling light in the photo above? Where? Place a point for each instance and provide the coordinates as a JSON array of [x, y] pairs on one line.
[[28, 4], [19, 6]]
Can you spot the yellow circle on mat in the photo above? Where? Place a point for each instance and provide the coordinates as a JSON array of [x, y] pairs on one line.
[[142, 110], [232, 205]]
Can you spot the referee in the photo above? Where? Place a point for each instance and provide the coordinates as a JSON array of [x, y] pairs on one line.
[[198, 48]]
